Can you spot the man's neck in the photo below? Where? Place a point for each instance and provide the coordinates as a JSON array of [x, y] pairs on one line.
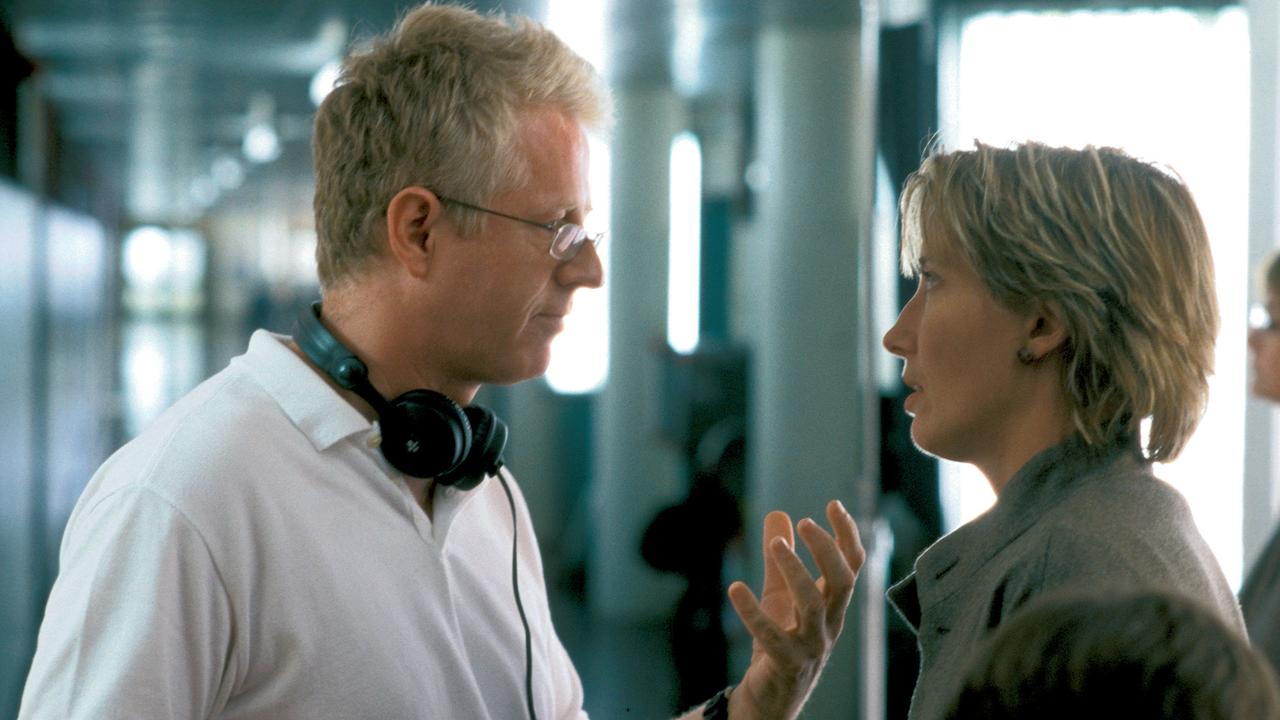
[[394, 352]]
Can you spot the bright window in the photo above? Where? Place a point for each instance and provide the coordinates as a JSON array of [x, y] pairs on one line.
[[580, 354], [163, 270], [162, 360], [1169, 85]]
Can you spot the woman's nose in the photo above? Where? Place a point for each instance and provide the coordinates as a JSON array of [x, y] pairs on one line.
[[893, 340], [900, 338]]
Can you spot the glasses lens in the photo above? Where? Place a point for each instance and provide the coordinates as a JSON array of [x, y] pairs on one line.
[[568, 241]]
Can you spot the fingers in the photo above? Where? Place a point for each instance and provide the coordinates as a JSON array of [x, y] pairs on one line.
[[791, 598], [776, 524], [807, 599], [805, 630], [756, 620], [796, 620], [826, 553], [847, 536], [837, 575]]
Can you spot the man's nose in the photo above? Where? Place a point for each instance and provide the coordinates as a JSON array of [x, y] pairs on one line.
[[583, 270]]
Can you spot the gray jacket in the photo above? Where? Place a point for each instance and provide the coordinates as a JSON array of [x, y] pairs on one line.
[[1071, 517]]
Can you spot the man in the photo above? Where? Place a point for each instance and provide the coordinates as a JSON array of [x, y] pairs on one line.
[[275, 547]]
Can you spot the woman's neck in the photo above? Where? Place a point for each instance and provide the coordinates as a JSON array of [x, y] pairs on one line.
[[1026, 439]]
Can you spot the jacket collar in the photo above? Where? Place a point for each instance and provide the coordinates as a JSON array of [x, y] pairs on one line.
[[945, 567]]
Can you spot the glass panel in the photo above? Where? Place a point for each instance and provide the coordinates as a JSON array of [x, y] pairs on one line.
[[1140, 80], [580, 354]]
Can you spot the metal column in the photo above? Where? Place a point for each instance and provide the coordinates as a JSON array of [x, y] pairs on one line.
[[814, 433], [636, 474]]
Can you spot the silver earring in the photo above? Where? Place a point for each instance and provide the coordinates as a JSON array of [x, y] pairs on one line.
[[1025, 357]]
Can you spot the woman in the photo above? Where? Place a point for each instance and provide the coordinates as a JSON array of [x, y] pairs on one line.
[[1260, 595], [1064, 297]]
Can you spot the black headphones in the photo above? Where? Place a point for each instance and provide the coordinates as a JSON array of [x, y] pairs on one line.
[[424, 433]]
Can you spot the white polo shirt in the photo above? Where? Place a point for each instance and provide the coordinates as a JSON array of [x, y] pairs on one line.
[[252, 555]]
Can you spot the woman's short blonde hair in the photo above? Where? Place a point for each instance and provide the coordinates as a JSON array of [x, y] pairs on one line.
[[1115, 247], [436, 103]]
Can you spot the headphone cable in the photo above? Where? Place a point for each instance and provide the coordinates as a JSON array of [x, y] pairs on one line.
[[515, 584]]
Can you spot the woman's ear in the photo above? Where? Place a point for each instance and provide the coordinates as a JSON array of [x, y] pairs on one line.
[[413, 218], [1046, 332]]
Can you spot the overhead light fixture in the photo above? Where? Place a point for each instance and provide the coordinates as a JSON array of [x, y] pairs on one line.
[[261, 143], [148, 253]]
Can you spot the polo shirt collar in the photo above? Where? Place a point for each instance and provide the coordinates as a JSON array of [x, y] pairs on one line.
[[326, 419], [322, 415]]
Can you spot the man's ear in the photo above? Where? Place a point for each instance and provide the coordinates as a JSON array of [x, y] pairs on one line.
[[413, 218], [1046, 332]]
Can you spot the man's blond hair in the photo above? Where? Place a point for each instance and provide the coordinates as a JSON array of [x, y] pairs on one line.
[[436, 103], [1115, 247]]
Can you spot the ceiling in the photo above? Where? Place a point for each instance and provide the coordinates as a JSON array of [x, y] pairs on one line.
[[149, 96], [151, 99]]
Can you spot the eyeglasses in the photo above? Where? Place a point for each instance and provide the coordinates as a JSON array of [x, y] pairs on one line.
[[566, 238]]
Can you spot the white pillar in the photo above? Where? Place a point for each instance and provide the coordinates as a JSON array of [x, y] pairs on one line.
[[814, 434], [636, 474]]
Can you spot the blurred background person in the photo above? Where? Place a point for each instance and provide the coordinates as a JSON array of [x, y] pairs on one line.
[[1144, 655], [1065, 297], [1260, 594]]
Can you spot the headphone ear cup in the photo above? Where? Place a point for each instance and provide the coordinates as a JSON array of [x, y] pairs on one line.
[[425, 434], [488, 440]]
